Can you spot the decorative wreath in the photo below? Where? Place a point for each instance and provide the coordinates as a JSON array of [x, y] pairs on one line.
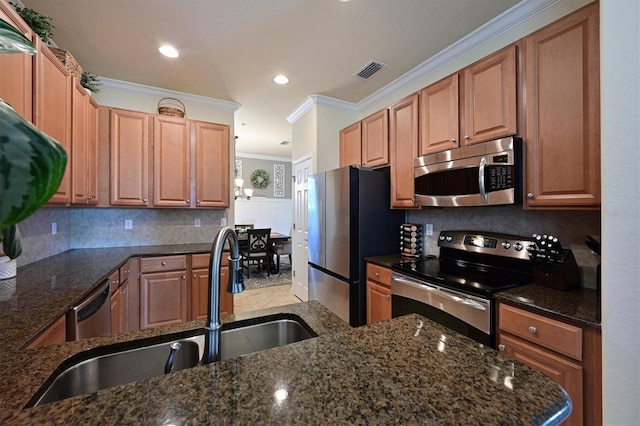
[[260, 179]]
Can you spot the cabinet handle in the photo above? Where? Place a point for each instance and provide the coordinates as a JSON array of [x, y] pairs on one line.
[[144, 200], [532, 329], [388, 296], [188, 201], [184, 277], [164, 263], [377, 274], [454, 140], [197, 201], [467, 137], [502, 347], [530, 195], [194, 275]]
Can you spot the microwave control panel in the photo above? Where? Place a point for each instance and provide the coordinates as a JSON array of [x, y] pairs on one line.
[[500, 177]]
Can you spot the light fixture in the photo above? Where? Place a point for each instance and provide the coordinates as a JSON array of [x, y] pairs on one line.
[[168, 51], [280, 79], [238, 191]]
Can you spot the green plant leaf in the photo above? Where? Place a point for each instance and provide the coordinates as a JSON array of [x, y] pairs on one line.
[[13, 41], [11, 243], [31, 167]]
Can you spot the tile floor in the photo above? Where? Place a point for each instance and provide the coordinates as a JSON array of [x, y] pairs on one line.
[[260, 298]]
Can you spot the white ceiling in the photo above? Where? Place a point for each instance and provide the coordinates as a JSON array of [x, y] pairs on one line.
[[231, 49]]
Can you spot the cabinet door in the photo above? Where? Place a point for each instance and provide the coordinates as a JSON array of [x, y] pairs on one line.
[[563, 112], [350, 145], [92, 151], [200, 287], [375, 139], [80, 145], [16, 84], [378, 302], [212, 165], [55, 334], [490, 97], [439, 116], [163, 299], [563, 372], [129, 151], [171, 162], [116, 313], [52, 109], [403, 147]]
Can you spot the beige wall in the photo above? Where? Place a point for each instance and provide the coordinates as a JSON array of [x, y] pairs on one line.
[[304, 136]]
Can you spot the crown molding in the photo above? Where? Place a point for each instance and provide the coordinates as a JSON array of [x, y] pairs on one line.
[[240, 155], [141, 89], [320, 100], [510, 18]]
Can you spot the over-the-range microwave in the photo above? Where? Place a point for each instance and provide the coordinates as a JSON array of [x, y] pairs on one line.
[[488, 173]]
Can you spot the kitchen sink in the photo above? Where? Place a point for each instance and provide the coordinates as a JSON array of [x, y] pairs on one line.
[[118, 364]]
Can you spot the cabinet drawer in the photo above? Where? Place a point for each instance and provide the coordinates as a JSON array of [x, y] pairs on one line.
[[125, 271], [200, 260], [563, 338], [163, 263], [379, 274]]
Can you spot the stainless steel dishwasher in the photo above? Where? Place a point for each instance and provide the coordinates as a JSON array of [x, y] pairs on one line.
[[92, 317]]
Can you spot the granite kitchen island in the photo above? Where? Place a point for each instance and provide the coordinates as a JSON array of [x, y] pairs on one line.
[[407, 370]]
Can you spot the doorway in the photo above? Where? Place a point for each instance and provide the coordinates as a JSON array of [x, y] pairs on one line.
[[302, 168]]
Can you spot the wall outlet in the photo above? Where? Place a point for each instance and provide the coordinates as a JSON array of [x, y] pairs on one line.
[[128, 224], [54, 228], [428, 229], [196, 222], [223, 221]]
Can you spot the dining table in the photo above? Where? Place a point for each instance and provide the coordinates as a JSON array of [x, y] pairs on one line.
[[274, 237]]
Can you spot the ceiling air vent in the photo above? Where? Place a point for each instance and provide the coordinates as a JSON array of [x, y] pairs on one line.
[[370, 69]]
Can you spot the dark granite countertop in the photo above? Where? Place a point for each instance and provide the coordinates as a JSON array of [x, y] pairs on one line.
[[407, 370], [580, 307], [387, 261]]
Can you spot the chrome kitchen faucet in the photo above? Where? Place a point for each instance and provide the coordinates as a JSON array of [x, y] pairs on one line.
[[235, 285]]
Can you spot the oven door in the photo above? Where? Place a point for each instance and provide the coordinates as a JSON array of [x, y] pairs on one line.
[[468, 315]]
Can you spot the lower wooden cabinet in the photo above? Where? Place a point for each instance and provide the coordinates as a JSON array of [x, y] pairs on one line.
[[163, 291], [378, 293], [55, 334], [200, 286], [570, 355]]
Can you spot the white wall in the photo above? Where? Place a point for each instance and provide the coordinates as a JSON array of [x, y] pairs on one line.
[[620, 68], [265, 213]]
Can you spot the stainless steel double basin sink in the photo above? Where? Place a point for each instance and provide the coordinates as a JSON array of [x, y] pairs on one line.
[[113, 365]]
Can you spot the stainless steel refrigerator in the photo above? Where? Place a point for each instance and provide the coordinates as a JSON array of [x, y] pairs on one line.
[[349, 219]]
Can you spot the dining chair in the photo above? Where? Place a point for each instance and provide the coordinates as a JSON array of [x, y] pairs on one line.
[[257, 250], [282, 249]]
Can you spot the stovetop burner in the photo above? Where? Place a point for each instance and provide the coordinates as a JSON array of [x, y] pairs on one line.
[[474, 263]]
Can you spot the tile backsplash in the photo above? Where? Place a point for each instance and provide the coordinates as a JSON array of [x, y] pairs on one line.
[[105, 227]]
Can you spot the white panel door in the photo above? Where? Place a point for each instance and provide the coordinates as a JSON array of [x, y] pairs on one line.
[[300, 288]]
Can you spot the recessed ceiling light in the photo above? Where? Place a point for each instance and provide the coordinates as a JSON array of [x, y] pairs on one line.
[[280, 79], [168, 51]]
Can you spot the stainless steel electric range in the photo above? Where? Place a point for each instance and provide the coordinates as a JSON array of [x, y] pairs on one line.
[[457, 288]]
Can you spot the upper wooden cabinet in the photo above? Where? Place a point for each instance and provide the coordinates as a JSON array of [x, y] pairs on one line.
[[366, 143], [439, 116], [171, 162], [129, 155], [474, 105], [562, 83], [489, 95], [351, 145], [403, 148], [16, 83], [211, 164], [375, 139], [52, 109], [84, 141]]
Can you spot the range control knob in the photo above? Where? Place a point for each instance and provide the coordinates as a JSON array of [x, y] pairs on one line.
[[449, 238], [506, 245], [441, 237], [518, 246]]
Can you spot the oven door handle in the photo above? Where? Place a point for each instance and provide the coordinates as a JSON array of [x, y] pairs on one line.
[[453, 296], [481, 183]]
